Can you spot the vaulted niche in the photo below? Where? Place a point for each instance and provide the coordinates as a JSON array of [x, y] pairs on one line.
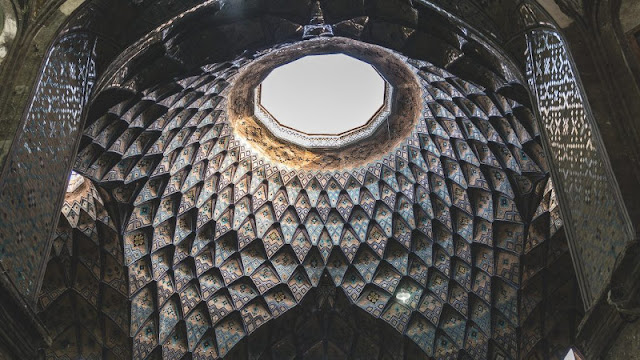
[[323, 101]]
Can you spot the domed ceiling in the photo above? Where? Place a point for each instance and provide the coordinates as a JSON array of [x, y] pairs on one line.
[[435, 230]]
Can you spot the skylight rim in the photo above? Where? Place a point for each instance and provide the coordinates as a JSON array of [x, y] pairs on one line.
[[406, 104]]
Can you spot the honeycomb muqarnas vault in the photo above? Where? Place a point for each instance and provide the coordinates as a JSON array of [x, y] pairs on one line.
[[225, 232], [197, 226]]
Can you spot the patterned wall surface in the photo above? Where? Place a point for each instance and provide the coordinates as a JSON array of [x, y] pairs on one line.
[[35, 178], [599, 227], [220, 240]]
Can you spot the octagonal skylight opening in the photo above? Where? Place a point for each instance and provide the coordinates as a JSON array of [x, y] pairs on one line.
[[323, 100]]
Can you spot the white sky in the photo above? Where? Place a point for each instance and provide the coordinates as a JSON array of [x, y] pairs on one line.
[[323, 94], [75, 180], [570, 356]]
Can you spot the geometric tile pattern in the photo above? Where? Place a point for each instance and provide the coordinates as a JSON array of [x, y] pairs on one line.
[[602, 227], [83, 299], [39, 162], [220, 241]]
